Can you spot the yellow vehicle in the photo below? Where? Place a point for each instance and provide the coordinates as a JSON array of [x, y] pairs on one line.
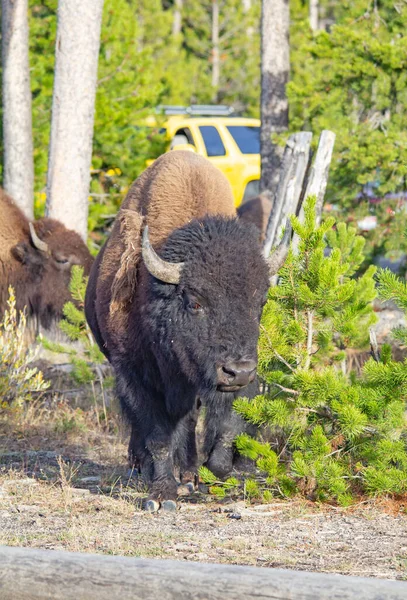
[[230, 143]]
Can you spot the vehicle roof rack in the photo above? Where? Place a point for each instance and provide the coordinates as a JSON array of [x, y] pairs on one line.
[[201, 110]]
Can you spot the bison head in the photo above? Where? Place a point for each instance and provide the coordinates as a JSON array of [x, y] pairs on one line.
[[203, 312], [47, 254]]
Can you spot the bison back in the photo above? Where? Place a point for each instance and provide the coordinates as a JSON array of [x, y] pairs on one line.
[[178, 187]]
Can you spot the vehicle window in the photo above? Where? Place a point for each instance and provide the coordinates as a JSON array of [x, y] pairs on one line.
[[182, 136], [213, 141], [247, 138]]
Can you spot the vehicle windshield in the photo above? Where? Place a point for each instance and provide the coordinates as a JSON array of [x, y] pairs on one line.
[[247, 138]]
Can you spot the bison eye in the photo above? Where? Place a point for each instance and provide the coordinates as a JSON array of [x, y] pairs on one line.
[[193, 305], [61, 261]]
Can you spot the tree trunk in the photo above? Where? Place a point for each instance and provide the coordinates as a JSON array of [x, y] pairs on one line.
[[275, 65], [215, 49], [18, 176], [177, 20], [73, 104], [314, 14]]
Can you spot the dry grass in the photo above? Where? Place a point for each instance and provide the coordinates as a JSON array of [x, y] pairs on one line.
[[64, 485]]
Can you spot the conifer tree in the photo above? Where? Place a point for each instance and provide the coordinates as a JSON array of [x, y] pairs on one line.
[[326, 433]]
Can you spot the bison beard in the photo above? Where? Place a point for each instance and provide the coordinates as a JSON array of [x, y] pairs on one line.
[[180, 327]]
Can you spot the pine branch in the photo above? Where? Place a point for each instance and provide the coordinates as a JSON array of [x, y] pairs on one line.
[[279, 357], [286, 390]]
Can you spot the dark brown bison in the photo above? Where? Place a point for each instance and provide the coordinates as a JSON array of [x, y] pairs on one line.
[[36, 260], [257, 211], [180, 326]]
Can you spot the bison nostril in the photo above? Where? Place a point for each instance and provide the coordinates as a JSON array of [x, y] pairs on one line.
[[229, 372], [237, 373]]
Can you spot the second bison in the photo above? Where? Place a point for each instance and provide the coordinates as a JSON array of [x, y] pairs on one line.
[[180, 326], [36, 260]]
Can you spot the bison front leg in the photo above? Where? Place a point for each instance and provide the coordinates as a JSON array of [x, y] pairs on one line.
[[222, 425], [186, 454], [160, 447], [152, 454]]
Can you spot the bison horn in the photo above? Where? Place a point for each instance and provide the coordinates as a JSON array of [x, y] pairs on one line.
[[37, 242], [159, 268], [276, 260]]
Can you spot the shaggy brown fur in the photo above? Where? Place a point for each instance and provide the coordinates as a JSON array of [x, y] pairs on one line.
[[257, 211], [40, 279], [178, 187]]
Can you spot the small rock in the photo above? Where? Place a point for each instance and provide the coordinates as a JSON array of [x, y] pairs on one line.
[[234, 515], [201, 556], [93, 479], [27, 508], [79, 491], [27, 481]]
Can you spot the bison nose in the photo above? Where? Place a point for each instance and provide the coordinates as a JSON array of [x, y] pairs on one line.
[[237, 373]]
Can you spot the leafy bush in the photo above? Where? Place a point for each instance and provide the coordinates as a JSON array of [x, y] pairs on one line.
[[18, 381]]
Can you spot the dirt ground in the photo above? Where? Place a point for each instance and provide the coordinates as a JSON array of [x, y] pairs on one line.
[[64, 485]]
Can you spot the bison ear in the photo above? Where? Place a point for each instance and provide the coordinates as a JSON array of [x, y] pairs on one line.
[[25, 254], [20, 252]]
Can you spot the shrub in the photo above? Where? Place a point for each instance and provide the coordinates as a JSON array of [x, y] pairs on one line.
[[18, 381], [326, 433], [86, 365]]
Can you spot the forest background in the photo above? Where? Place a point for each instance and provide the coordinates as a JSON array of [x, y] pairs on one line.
[[347, 73]]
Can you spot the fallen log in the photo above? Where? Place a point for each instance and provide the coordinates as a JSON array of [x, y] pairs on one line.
[[31, 574]]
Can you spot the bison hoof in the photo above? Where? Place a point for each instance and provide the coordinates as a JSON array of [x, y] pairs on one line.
[[169, 506], [152, 506], [186, 489]]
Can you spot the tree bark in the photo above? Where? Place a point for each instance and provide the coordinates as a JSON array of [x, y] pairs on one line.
[[73, 104], [177, 19], [215, 49], [314, 14], [18, 177], [275, 65]]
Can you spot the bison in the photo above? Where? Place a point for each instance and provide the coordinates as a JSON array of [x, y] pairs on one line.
[[257, 211], [36, 260], [174, 300]]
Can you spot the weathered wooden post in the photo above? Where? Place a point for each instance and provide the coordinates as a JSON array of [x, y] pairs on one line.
[[294, 168], [298, 180]]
